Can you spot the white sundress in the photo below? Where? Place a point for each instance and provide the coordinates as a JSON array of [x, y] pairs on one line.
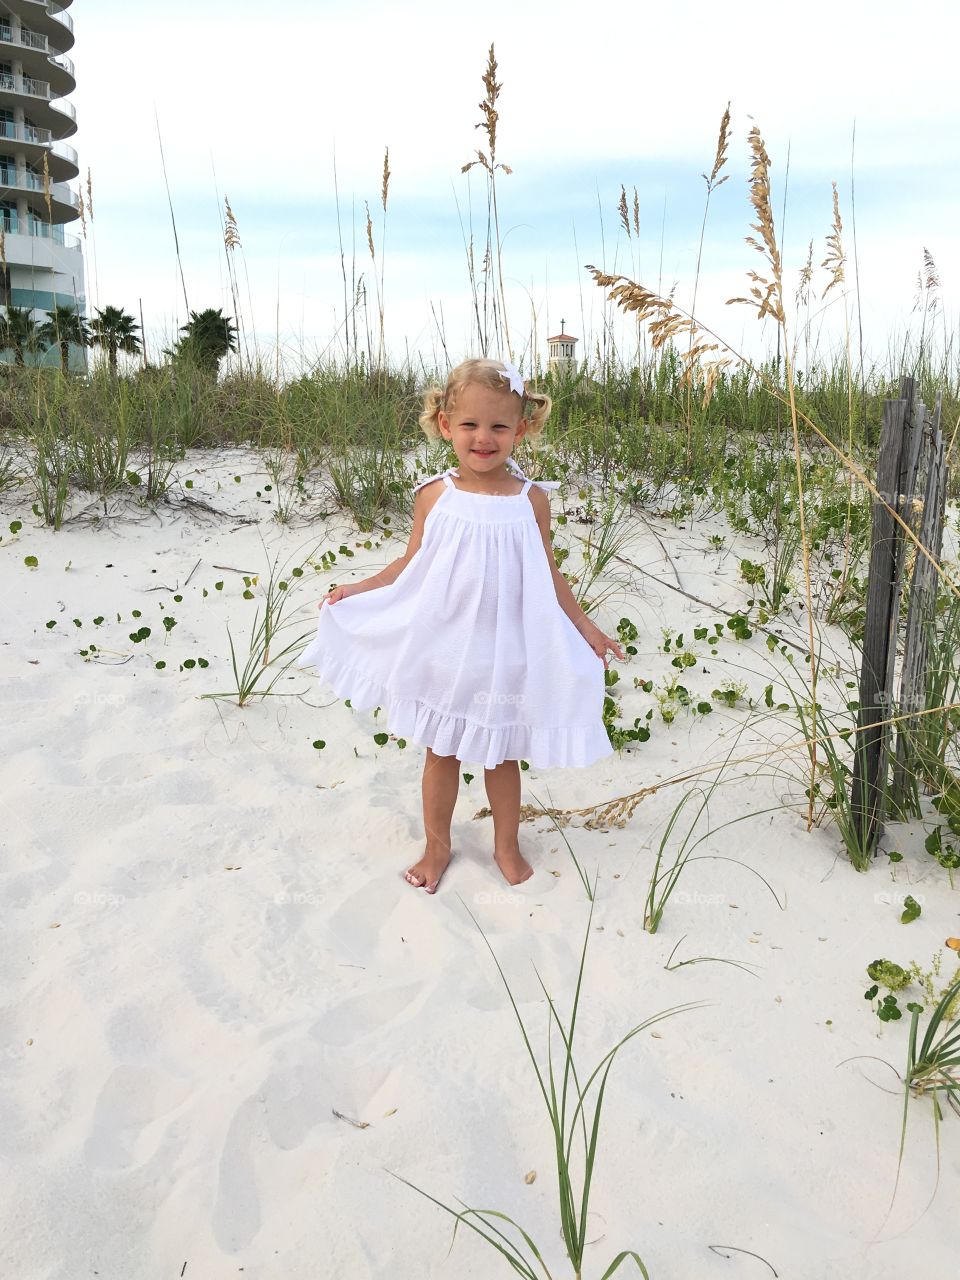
[[468, 651]]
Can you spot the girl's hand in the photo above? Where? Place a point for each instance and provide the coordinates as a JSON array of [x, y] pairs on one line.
[[600, 643], [335, 594]]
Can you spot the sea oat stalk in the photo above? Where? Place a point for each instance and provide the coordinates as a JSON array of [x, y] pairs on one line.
[[490, 163], [713, 181]]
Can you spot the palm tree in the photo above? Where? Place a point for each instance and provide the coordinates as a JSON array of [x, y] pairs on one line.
[[114, 330], [18, 332], [207, 337], [64, 326]]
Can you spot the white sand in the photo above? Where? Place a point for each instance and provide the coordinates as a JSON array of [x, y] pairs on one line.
[[209, 947]]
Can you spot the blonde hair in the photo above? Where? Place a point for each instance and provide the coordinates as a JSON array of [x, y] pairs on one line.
[[534, 405]]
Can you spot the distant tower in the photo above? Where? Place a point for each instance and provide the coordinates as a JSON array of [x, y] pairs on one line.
[[562, 352], [44, 266]]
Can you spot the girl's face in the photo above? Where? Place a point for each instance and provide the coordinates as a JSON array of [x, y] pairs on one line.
[[483, 426]]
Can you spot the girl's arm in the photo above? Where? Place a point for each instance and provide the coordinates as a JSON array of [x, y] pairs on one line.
[[595, 638], [389, 574]]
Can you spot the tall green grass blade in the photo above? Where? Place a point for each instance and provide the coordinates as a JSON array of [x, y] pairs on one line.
[[620, 1259], [519, 1265]]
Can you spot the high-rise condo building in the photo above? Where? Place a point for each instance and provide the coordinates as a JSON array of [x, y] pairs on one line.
[[43, 265]]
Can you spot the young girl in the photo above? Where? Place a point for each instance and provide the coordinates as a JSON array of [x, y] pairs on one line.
[[472, 640]]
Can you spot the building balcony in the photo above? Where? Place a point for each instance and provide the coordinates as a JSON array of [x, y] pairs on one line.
[[37, 59], [56, 12], [59, 117], [67, 109], [48, 20], [24, 85], [25, 230], [62, 159], [29, 39], [32, 87], [67, 158], [64, 203], [27, 133]]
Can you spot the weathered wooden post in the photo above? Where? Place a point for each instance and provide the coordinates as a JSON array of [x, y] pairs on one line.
[[922, 606], [896, 474]]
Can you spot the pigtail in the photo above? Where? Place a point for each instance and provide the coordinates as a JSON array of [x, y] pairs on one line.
[[542, 404], [432, 404]]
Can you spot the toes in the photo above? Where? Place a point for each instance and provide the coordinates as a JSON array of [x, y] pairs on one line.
[[420, 879]]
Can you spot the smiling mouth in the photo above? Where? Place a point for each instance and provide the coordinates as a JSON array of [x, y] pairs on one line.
[[485, 453]]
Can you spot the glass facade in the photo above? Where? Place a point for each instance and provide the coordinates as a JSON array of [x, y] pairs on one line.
[[76, 358], [41, 300]]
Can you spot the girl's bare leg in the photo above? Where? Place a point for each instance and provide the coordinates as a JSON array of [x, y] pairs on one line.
[[441, 782], [503, 792]]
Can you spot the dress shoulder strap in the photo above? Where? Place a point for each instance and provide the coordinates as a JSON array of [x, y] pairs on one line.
[[543, 484], [441, 475]]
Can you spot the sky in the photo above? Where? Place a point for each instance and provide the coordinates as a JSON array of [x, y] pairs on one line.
[[287, 109]]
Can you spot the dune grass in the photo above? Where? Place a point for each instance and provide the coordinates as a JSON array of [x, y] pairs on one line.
[[568, 1120]]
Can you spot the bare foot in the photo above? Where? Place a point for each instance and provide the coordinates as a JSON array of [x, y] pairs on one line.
[[426, 873], [513, 864]]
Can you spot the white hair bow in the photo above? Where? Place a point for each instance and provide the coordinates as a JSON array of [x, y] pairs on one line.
[[513, 373]]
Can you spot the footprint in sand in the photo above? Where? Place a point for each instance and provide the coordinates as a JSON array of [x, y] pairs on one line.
[[362, 1014], [292, 1102], [354, 928], [236, 1214], [284, 1111], [130, 1102]]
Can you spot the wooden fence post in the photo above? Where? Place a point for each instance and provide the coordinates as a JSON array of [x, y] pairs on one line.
[[921, 608], [896, 473]]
